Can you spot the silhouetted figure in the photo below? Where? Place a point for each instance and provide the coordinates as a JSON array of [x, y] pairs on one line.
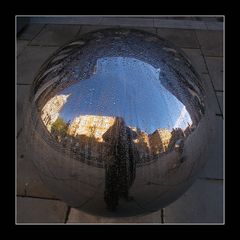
[[120, 163]]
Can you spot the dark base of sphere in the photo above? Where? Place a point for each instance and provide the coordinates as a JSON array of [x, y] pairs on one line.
[[96, 205], [155, 186]]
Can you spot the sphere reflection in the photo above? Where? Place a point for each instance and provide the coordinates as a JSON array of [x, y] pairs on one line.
[[118, 122]]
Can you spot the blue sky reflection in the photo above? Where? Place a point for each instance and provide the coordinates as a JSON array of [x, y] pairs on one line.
[[128, 88]]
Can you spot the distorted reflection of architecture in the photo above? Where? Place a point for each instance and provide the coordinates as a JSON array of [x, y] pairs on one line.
[[50, 111], [86, 127], [159, 140], [119, 121], [90, 125]]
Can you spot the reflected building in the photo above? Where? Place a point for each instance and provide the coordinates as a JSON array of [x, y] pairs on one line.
[[86, 132], [90, 126], [191, 99], [176, 134], [142, 144], [187, 130], [50, 112], [84, 135], [159, 141]]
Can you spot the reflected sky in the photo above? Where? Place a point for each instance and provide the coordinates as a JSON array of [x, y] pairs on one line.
[[128, 88]]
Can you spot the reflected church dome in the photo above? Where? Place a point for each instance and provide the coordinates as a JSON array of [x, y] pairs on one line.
[[118, 121]]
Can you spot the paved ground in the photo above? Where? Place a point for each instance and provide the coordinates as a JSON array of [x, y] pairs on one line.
[[203, 202]]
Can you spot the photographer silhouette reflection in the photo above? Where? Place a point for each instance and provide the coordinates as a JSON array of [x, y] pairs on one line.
[[120, 163]]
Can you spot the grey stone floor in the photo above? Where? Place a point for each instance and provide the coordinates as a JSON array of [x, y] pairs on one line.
[[202, 203]]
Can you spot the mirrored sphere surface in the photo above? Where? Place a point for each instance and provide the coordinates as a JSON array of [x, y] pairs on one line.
[[118, 122]]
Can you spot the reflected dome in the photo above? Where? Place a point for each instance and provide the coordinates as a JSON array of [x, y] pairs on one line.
[[117, 121]]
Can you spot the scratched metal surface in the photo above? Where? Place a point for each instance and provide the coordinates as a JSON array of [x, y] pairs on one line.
[[118, 120]]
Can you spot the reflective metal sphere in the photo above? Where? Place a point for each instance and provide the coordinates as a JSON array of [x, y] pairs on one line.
[[118, 121]]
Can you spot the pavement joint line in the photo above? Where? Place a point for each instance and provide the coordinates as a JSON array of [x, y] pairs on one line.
[[154, 22], [18, 54], [39, 45], [19, 132], [23, 84], [205, 24], [162, 215], [209, 75], [211, 179], [79, 31], [67, 214], [25, 190], [43, 198], [19, 38], [191, 48], [219, 115], [216, 56], [44, 26], [101, 20]]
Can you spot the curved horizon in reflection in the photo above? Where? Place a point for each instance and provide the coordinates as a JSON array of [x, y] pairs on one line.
[[156, 100], [119, 87]]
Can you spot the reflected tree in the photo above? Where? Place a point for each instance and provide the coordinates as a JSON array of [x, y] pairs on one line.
[[59, 129]]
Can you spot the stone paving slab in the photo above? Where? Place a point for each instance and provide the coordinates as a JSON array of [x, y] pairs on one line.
[[21, 44], [211, 94], [220, 100], [180, 37], [196, 59], [183, 24], [137, 22], [87, 29], [30, 61], [30, 31], [215, 67], [28, 180], [68, 20], [211, 42], [146, 29], [90, 28], [207, 19], [33, 210], [56, 35], [202, 203], [77, 216], [22, 92], [214, 25], [178, 18], [214, 154]]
